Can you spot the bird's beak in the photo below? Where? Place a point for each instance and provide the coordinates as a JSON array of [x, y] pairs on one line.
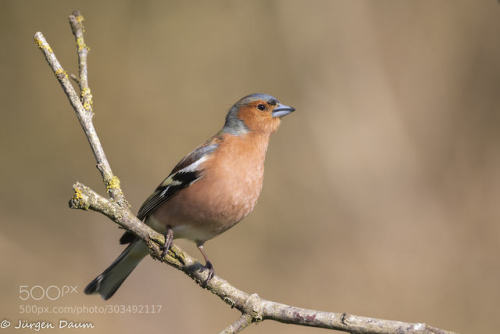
[[282, 110]]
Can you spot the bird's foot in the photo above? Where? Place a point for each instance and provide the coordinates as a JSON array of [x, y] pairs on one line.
[[169, 238], [211, 272]]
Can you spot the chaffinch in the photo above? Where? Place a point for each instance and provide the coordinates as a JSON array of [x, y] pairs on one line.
[[208, 191]]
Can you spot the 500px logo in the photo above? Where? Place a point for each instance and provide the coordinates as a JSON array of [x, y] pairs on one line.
[[51, 292]]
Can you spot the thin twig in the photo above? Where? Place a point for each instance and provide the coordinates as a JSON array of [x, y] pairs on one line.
[[75, 78], [111, 182], [252, 307], [243, 322], [76, 23]]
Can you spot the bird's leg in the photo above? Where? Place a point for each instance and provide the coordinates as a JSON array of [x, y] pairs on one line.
[[169, 237], [208, 264]]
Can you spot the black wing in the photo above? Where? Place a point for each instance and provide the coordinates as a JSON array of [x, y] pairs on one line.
[[166, 190], [184, 173]]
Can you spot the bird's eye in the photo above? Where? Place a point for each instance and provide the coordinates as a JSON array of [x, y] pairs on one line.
[[261, 107]]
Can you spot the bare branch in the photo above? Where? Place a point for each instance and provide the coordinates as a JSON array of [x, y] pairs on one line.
[[252, 307], [111, 181], [76, 22], [243, 322], [74, 78]]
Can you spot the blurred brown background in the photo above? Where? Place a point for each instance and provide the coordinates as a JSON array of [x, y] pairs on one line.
[[381, 191]]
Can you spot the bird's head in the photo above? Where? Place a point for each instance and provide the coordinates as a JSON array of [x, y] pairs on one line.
[[255, 113]]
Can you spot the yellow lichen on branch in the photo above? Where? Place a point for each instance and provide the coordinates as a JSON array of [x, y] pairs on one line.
[[79, 18], [81, 44], [41, 45], [114, 183], [86, 96], [78, 201], [61, 72]]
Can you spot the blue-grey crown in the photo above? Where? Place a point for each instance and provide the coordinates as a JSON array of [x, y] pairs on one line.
[[236, 126]]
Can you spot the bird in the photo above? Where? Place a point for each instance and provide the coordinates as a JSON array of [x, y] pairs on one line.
[[208, 191]]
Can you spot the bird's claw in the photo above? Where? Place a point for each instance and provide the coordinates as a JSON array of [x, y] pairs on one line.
[[169, 238], [211, 272]]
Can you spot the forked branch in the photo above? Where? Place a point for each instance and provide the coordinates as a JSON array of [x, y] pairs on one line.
[[116, 208]]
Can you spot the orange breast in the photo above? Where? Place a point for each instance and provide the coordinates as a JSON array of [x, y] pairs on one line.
[[227, 192]]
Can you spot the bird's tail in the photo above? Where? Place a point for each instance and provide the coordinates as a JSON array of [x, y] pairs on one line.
[[110, 280]]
